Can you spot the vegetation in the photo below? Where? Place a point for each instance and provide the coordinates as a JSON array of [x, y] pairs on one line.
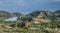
[[42, 28], [52, 26]]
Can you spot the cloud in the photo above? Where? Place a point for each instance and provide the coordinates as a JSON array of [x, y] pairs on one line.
[[57, 0], [13, 2], [26, 6], [12, 5]]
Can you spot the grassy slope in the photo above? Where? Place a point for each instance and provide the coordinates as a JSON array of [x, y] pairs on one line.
[[43, 28]]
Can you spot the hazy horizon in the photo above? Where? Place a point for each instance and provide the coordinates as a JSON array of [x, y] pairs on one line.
[[28, 6]]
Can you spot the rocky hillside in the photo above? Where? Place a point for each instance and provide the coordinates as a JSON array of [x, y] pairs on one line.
[[43, 16]]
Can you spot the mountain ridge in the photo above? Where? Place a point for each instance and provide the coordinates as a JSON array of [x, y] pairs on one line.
[[44, 16], [41, 14]]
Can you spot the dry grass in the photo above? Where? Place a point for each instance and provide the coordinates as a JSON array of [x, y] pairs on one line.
[[18, 30]]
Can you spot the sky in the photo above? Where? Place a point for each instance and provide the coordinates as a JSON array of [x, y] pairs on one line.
[[28, 6]]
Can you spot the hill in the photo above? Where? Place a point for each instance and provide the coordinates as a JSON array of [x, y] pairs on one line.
[[58, 13], [4, 14], [43, 16]]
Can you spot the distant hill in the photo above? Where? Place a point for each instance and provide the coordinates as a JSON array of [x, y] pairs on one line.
[[41, 16], [16, 14], [58, 13], [4, 14]]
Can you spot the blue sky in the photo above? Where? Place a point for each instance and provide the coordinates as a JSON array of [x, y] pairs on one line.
[[27, 6]]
